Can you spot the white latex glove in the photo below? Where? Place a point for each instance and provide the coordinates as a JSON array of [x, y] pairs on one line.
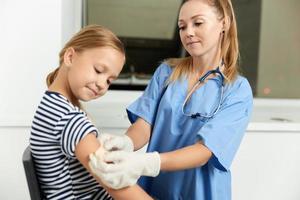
[[120, 169], [116, 142], [95, 166]]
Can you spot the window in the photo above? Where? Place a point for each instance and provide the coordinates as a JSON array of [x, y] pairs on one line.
[[269, 35], [269, 41]]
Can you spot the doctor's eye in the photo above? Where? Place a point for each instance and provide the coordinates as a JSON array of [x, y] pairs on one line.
[[197, 24], [181, 28]]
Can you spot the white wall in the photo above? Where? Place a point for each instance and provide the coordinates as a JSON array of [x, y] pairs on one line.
[[30, 41], [32, 33], [31, 36]]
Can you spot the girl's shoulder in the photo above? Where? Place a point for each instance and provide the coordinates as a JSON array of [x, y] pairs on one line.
[[55, 99]]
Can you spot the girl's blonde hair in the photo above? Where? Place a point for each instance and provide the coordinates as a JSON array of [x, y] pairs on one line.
[[91, 36], [229, 46]]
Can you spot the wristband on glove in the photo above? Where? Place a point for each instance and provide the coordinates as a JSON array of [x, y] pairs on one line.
[[152, 164]]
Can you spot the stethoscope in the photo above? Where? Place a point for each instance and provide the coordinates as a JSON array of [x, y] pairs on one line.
[[200, 81]]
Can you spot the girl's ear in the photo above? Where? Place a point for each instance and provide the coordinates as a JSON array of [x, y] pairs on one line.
[[69, 56]]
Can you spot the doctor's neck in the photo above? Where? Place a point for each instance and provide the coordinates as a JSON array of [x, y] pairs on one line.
[[202, 65]]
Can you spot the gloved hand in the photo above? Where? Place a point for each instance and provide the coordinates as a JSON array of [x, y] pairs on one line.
[[116, 142], [94, 163], [120, 169]]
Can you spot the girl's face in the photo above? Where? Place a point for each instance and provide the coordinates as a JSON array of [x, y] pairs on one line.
[[92, 71], [200, 28]]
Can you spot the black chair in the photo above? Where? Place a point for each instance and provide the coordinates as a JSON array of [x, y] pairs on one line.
[[32, 181]]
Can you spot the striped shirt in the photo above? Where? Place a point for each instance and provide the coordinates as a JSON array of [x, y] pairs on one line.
[[57, 127]]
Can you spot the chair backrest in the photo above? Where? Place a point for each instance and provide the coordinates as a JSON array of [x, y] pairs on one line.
[[32, 181]]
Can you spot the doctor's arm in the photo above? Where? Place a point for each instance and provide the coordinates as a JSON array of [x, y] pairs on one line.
[[188, 157], [131, 165], [89, 144], [185, 158], [139, 132]]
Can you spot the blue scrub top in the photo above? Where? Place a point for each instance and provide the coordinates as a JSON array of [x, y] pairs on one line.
[[172, 130]]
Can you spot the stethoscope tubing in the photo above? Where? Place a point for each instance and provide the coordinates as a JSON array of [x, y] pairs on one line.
[[202, 80]]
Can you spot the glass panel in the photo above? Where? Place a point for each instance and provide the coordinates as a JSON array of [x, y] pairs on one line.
[[154, 19], [279, 53]]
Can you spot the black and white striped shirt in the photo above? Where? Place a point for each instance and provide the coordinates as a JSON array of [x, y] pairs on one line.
[[57, 128]]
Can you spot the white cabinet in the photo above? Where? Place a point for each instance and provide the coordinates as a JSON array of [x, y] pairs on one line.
[[266, 167], [267, 163]]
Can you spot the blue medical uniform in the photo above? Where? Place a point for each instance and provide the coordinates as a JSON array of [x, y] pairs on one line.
[[172, 130]]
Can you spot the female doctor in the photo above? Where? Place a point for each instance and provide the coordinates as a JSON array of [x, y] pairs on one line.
[[193, 113]]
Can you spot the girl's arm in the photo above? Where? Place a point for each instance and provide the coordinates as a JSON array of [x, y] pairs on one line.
[[185, 158], [90, 144], [139, 132]]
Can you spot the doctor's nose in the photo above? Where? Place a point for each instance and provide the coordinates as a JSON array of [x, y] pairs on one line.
[[190, 32]]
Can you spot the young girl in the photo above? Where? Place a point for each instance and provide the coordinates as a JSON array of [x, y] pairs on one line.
[[62, 136], [193, 113]]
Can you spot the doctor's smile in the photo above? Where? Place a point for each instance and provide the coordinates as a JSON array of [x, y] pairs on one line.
[[192, 42]]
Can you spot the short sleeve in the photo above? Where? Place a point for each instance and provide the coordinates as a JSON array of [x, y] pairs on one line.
[[145, 106], [76, 128], [223, 133]]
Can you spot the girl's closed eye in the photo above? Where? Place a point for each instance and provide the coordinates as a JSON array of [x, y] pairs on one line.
[[97, 70]]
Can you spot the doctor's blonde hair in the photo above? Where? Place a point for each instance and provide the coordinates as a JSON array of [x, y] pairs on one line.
[[89, 37], [229, 45]]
